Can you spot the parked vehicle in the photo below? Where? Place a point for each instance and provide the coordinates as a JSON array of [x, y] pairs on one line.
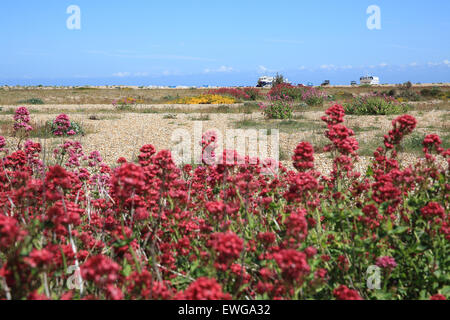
[[370, 80], [326, 83], [353, 83], [265, 82]]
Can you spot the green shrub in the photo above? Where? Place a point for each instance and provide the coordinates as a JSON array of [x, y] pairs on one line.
[[287, 91], [278, 109], [409, 95], [375, 105], [36, 101], [433, 93], [253, 93], [54, 128], [312, 96]]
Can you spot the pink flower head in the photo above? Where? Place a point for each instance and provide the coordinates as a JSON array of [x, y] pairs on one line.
[[386, 263], [22, 119], [204, 289], [303, 157], [344, 293], [293, 264]]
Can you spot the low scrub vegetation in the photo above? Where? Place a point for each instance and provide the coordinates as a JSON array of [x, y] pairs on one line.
[[375, 104]]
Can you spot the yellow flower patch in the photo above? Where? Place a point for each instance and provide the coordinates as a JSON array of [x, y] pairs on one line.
[[205, 99]]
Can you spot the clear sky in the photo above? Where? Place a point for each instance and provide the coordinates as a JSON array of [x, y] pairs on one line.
[[196, 42]]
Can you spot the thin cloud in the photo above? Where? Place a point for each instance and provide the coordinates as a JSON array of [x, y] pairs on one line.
[[222, 69], [446, 62], [264, 69], [328, 67], [129, 74], [121, 74]]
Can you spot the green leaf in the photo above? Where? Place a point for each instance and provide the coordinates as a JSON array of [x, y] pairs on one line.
[[445, 291], [369, 172], [422, 247], [126, 270], [399, 230]]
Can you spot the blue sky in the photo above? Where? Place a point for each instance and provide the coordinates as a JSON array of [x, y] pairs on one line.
[[196, 42]]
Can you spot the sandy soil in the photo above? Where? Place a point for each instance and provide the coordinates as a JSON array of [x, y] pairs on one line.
[[122, 134]]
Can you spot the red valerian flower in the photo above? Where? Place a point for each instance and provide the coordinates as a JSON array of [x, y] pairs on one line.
[[267, 237], [37, 296], [114, 293], [147, 153], [9, 232], [101, 270], [344, 293], [204, 289], [433, 209], [209, 145], [403, 126], [335, 115], [56, 181], [293, 264], [303, 157], [301, 186], [228, 246], [38, 258], [2, 142], [438, 297], [121, 160], [128, 180], [371, 217], [63, 126], [143, 285], [297, 225], [64, 213], [22, 119], [386, 263], [215, 208], [432, 141]]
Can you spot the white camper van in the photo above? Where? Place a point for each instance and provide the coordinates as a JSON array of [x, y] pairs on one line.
[[266, 82], [369, 80]]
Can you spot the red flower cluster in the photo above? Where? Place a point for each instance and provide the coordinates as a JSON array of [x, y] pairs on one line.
[[225, 229], [293, 264], [228, 247], [334, 115], [303, 157], [344, 293], [403, 126], [10, 232], [101, 270], [62, 126], [204, 289], [386, 263], [433, 209], [22, 120]]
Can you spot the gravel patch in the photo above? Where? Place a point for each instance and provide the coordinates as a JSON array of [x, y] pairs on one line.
[[117, 135]]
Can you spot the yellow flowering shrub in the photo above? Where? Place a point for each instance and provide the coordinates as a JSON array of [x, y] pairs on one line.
[[205, 99]]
